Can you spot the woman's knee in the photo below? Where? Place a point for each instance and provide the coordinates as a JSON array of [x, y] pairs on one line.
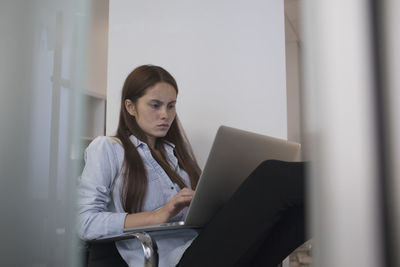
[[279, 167], [274, 173], [266, 172], [270, 166]]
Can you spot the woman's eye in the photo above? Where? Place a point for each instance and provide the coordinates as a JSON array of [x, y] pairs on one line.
[[155, 106], [171, 106]]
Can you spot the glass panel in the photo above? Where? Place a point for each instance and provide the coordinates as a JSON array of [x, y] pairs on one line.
[[41, 76], [392, 90]]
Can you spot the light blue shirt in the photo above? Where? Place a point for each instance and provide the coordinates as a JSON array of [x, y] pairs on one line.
[[100, 211]]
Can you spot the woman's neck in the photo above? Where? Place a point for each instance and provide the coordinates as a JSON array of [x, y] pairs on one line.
[[151, 142]]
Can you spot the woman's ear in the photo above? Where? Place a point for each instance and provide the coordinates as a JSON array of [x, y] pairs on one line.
[[130, 107]]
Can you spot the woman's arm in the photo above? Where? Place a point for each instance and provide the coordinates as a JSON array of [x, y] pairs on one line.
[[162, 215], [94, 218], [95, 192]]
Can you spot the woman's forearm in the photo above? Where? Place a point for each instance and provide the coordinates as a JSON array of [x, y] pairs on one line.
[[145, 218]]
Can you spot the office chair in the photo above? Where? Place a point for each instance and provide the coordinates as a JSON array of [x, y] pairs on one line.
[[109, 255]]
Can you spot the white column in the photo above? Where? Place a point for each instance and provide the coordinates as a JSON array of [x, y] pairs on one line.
[[340, 133], [392, 41]]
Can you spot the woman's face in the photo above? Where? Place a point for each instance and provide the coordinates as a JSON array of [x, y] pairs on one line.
[[154, 111]]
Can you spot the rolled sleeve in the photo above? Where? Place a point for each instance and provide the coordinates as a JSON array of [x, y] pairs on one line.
[[95, 219]]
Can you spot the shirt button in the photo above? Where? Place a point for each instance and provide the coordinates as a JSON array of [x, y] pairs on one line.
[[172, 188]]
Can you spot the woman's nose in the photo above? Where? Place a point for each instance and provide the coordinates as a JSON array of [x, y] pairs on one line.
[[164, 113]]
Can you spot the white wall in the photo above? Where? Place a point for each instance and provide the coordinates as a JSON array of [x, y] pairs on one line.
[[228, 58], [293, 36], [293, 91], [98, 36]]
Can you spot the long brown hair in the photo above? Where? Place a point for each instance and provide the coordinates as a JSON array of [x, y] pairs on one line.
[[134, 173]]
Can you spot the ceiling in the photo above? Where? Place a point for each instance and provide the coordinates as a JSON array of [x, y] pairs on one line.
[[292, 21]]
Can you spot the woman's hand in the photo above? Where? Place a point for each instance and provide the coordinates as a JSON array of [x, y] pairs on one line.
[[162, 215], [181, 200]]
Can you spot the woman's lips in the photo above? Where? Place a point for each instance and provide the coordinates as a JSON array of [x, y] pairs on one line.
[[163, 125]]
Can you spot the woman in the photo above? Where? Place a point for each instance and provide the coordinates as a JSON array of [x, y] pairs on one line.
[[146, 175]]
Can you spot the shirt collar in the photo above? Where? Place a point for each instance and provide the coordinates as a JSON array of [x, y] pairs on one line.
[[136, 142], [169, 144]]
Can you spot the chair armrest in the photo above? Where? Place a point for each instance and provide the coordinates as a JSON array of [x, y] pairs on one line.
[[149, 246]]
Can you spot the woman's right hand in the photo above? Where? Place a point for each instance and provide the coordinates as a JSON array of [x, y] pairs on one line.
[[178, 202]]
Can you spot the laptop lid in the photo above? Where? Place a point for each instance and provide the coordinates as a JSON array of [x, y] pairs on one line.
[[234, 155]]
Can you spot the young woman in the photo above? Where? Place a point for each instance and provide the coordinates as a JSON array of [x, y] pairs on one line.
[[146, 175]]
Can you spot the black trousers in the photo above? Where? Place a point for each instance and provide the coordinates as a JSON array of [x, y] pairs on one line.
[[260, 225], [103, 255]]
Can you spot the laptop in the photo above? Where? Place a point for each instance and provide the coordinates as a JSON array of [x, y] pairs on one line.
[[234, 155]]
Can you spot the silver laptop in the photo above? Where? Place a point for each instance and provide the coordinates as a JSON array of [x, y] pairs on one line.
[[234, 155]]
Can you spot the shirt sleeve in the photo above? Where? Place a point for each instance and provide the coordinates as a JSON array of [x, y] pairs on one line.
[[94, 192]]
